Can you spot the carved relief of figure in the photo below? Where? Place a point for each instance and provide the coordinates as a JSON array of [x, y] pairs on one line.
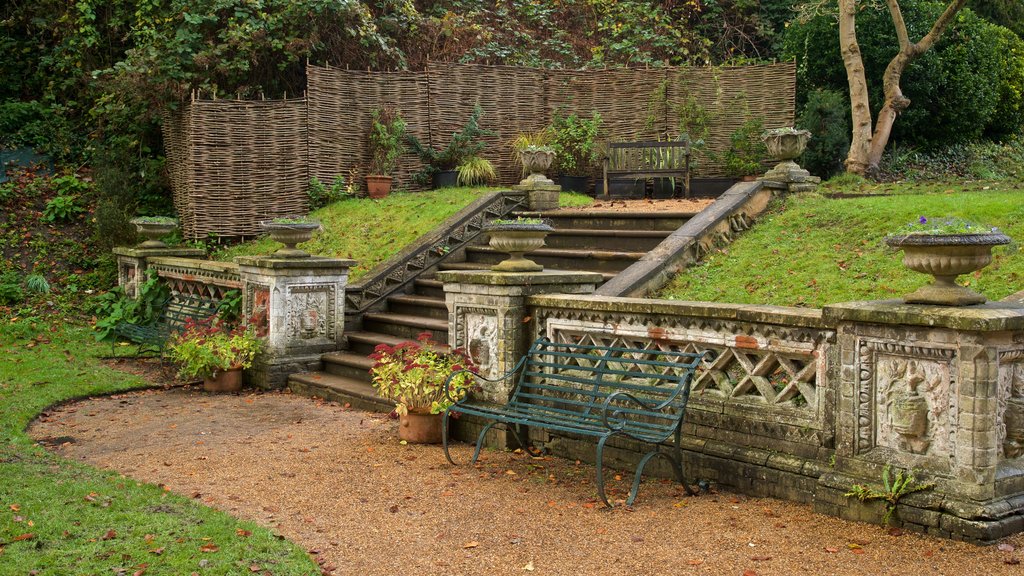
[[481, 342], [908, 414], [1012, 403]]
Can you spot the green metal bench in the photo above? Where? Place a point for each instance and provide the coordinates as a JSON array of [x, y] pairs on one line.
[[175, 314], [596, 391]]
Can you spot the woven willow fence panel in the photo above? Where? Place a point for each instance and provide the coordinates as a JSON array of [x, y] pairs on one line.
[[634, 105], [236, 163]]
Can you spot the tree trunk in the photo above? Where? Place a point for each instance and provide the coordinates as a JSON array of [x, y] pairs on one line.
[[866, 147]]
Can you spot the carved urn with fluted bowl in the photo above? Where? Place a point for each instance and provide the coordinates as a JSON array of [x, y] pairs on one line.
[[290, 231], [152, 229], [784, 146], [516, 238], [946, 256]]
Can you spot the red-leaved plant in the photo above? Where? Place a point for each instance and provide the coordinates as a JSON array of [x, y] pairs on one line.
[[413, 374]]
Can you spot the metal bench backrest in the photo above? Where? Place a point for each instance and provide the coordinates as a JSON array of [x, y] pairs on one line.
[[574, 381], [184, 307], [647, 157]]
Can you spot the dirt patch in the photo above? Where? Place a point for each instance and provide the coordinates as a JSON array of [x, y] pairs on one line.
[[337, 482], [645, 205]]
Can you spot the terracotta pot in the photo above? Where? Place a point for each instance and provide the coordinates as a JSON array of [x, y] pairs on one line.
[[290, 235], [153, 232], [420, 427], [946, 256], [516, 240], [224, 381], [378, 186]]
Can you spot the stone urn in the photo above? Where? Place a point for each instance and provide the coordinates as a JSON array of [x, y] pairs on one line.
[[153, 229], [785, 143], [517, 238], [536, 161], [290, 233], [946, 256]]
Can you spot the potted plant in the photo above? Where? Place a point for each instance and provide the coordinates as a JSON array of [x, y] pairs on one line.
[[575, 147], [290, 231], [746, 150], [517, 237], [153, 228], [946, 248], [440, 165], [210, 351], [476, 170], [386, 143], [412, 375], [535, 153]]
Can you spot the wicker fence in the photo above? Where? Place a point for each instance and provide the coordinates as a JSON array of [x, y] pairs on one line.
[[234, 163]]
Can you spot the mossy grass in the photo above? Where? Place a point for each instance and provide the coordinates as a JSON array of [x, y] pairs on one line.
[[812, 250], [60, 517]]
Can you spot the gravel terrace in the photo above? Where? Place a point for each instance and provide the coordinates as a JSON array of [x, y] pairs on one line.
[[336, 481]]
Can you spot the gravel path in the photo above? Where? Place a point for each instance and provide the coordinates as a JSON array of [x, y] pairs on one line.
[[337, 482]]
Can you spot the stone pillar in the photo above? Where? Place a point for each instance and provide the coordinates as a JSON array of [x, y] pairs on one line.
[[132, 263], [541, 192], [487, 314], [938, 391], [299, 304]]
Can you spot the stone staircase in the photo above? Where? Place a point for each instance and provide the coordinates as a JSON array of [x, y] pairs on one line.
[[603, 242]]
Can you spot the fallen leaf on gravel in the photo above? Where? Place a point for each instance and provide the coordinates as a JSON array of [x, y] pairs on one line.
[[697, 562], [749, 573], [211, 547], [1011, 561], [857, 550], [472, 544], [831, 550], [528, 567], [760, 558], [853, 546], [1004, 547], [895, 532], [393, 509]]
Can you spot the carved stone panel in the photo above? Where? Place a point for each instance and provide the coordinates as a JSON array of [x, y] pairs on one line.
[[1010, 424], [128, 276], [476, 330], [907, 399], [311, 312], [257, 306]]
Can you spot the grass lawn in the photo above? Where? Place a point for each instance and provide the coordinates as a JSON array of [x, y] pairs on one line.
[[371, 231], [58, 517], [810, 250]]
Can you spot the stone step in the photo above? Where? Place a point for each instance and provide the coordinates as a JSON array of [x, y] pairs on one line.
[[405, 326], [429, 287], [561, 259], [349, 364], [623, 240], [416, 305], [359, 393], [362, 342], [597, 220]]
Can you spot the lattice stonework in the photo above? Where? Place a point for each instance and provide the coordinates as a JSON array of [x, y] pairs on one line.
[[198, 282], [906, 399], [758, 366]]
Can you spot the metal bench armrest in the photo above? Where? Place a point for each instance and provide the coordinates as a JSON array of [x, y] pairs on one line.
[[447, 383]]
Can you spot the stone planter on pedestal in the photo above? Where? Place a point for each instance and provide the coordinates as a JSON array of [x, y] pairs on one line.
[[946, 256], [542, 192], [290, 234], [784, 145], [517, 239], [153, 229]]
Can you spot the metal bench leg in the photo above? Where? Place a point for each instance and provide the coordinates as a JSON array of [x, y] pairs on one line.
[[445, 421], [480, 440], [600, 469]]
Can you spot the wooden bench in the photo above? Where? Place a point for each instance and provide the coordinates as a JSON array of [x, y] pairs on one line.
[[175, 314], [595, 391], [647, 159]]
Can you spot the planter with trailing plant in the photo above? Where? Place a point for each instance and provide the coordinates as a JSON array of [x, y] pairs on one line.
[[516, 238], [153, 228], [785, 143], [386, 143], [218, 355], [576, 152], [290, 231], [412, 375], [946, 248], [441, 165]]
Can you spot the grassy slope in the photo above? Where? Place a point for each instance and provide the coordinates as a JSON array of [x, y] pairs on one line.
[[68, 508], [370, 231], [810, 250]]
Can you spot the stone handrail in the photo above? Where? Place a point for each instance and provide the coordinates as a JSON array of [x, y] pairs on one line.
[[206, 278], [445, 241]]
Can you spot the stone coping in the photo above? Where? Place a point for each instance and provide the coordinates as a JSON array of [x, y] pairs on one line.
[[159, 252], [308, 262], [519, 278], [988, 317], [783, 315], [195, 264]]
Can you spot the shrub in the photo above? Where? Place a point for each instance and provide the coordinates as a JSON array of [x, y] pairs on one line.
[[62, 208], [320, 195], [10, 289], [1009, 114], [826, 114], [575, 143]]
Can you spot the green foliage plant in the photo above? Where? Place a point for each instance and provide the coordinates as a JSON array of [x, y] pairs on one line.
[[11, 292], [894, 487], [476, 170], [113, 307], [575, 143], [464, 144], [826, 115], [746, 149], [62, 208], [207, 347], [412, 375], [320, 195], [518, 221], [37, 284], [386, 139]]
